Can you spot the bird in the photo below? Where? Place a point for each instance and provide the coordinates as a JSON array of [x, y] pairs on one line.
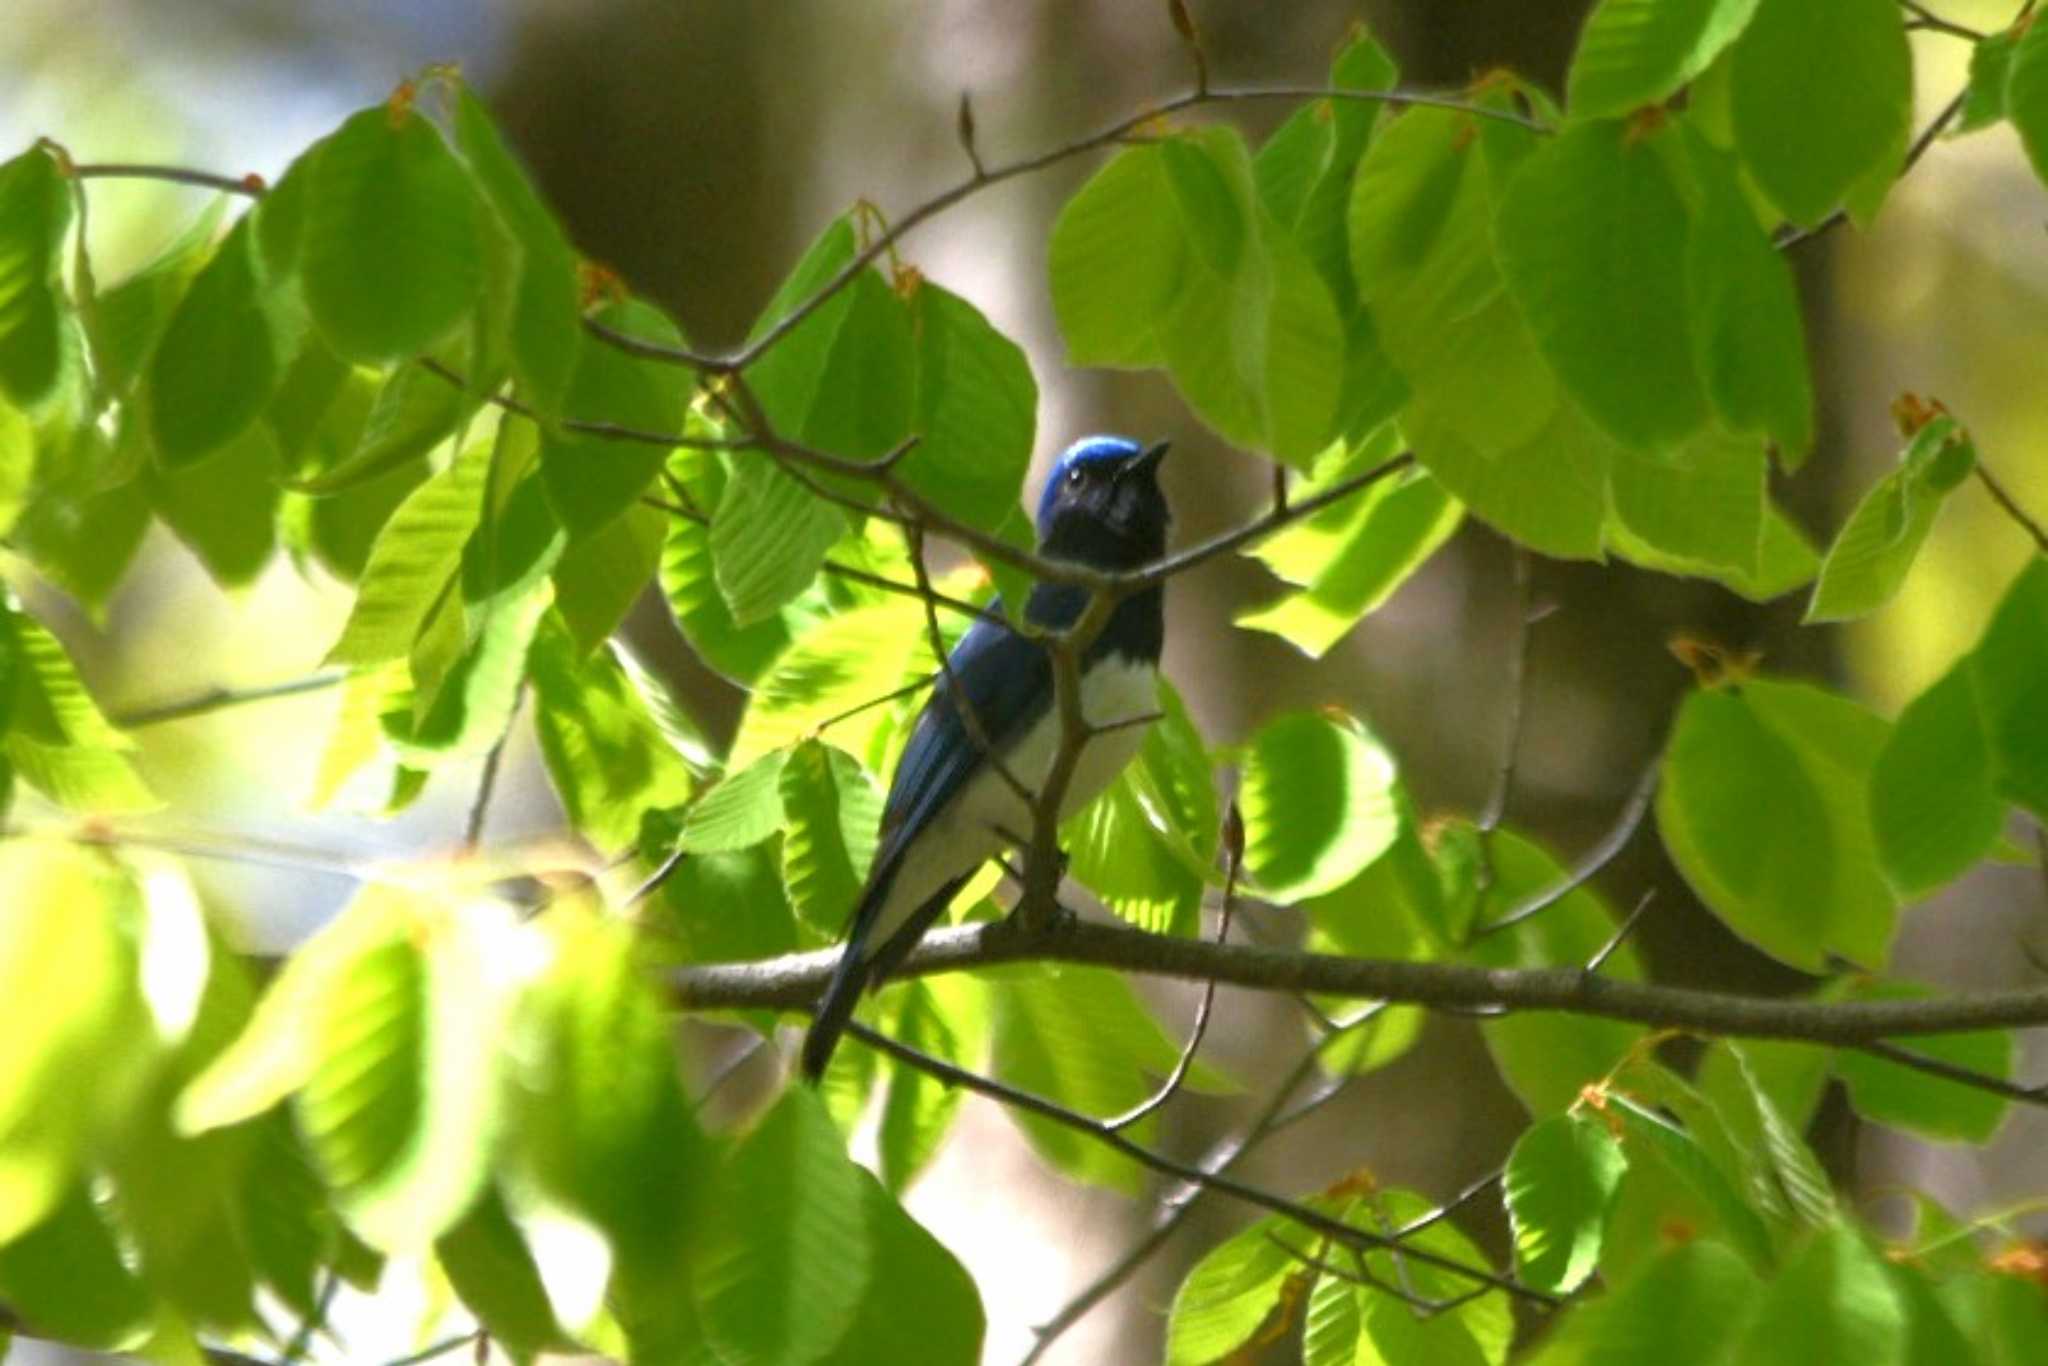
[[950, 808]]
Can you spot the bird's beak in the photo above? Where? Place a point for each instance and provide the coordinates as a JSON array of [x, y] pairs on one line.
[[1147, 462]]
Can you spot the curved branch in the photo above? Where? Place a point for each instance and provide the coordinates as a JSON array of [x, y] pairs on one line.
[[793, 982]]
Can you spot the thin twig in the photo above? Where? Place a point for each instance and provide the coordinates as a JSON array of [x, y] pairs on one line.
[[250, 185], [1590, 863], [220, 699], [314, 1320], [1307, 1217], [487, 780], [916, 686], [1955, 1072], [661, 874], [1518, 670], [1925, 18], [1451, 1206], [1421, 1304], [984, 177], [439, 1349], [2012, 508], [1233, 863], [1621, 933]]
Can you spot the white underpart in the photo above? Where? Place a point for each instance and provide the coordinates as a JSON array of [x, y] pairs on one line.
[[965, 834]]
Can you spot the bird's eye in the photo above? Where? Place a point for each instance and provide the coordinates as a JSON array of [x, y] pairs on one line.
[[1074, 476]]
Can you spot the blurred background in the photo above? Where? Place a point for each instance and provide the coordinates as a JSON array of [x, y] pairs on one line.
[[697, 147]]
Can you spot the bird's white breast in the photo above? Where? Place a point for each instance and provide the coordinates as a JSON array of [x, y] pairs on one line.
[[965, 835]]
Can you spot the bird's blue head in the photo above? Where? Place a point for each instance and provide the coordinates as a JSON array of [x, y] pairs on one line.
[[1102, 505]]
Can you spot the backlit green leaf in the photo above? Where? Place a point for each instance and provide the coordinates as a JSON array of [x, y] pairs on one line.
[[1935, 807], [1822, 97], [787, 1250], [1638, 52], [976, 410], [225, 506], [35, 211], [1116, 259], [591, 479], [221, 356], [1229, 1296], [1559, 1183], [1763, 806], [1351, 557], [1703, 503], [1870, 557], [1832, 1305], [1680, 1310], [920, 1305], [832, 810], [2026, 95], [768, 537], [385, 200], [1588, 230], [1318, 800], [742, 810]]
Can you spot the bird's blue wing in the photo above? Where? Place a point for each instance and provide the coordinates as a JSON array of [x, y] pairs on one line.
[[1009, 679]]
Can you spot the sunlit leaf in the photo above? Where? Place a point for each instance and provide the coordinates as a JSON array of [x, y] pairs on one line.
[[1230, 1295], [1822, 97], [1832, 1304], [1637, 52], [1930, 1107], [920, 1304], [1559, 1183], [591, 479], [1873, 552], [221, 356], [2026, 95], [1318, 804], [385, 200], [35, 212]]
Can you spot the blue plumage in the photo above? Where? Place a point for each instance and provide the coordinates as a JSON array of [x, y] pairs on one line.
[[1101, 507]]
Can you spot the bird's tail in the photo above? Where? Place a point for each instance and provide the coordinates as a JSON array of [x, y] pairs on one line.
[[849, 980]]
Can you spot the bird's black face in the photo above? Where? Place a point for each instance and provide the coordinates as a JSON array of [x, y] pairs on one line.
[[1103, 507]]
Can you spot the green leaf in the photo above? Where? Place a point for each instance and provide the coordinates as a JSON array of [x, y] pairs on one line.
[[1304, 169], [127, 318], [1549, 491], [922, 1306], [52, 732], [1764, 809], [976, 410], [1587, 230], [1786, 560], [1548, 1059], [1784, 1180], [1663, 1154], [601, 1125], [221, 356], [1318, 801], [1079, 1036], [1869, 559], [1637, 52], [1559, 1184], [546, 312], [463, 712], [831, 809], [591, 479], [414, 411], [1833, 1303], [1476, 1332], [601, 576], [70, 1007], [412, 562], [1984, 97], [1350, 558], [947, 1018], [1253, 340], [1680, 1310], [401, 1106], [1702, 504], [845, 379], [689, 582], [2010, 670], [225, 506], [1822, 97], [35, 212], [787, 1249], [1116, 259], [744, 808], [839, 663], [1749, 342], [2026, 95], [492, 1269], [727, 907], [1229, 1296], [66, 1279], [1929, 1107], [1115, 852], [386, 201], [1935, 807], [608, 759], [768, 537]]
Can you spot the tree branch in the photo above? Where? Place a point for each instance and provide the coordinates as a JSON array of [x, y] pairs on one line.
[[794, 981]]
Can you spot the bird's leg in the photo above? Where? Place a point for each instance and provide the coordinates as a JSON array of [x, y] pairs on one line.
[[1036, 910]]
